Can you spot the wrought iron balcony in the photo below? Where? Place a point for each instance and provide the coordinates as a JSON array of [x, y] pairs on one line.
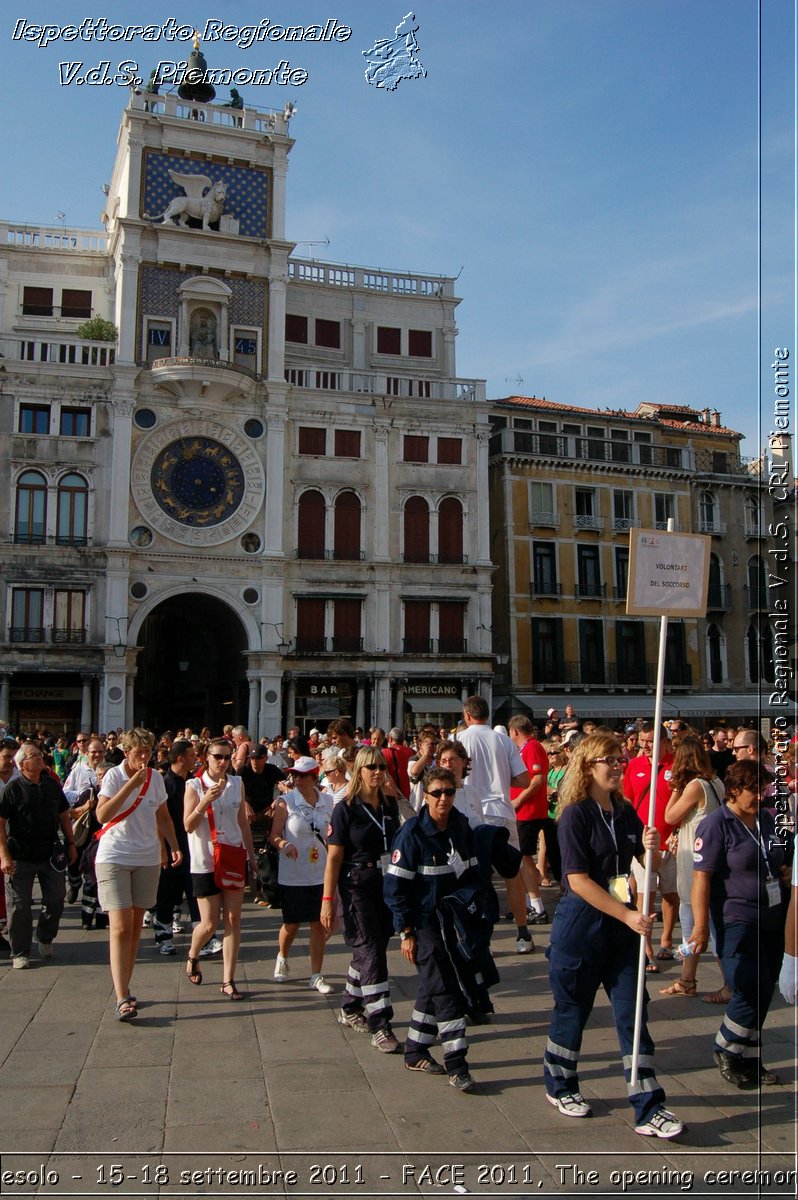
[[545, 587], [589, 590]]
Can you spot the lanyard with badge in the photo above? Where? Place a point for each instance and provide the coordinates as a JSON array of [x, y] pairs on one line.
[[454, 859], [618, 885], [307, 813], [385, 858], [771, 883]]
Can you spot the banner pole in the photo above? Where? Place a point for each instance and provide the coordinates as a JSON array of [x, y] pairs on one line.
[[652, 804]]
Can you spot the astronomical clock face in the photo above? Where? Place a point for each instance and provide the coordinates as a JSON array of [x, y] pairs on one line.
[[197, 482]]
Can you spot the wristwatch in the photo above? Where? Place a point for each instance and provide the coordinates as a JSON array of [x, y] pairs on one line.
[[408, 933]]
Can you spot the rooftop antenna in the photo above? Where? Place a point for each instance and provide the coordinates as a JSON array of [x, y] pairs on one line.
[[326, 242], [518, 381]]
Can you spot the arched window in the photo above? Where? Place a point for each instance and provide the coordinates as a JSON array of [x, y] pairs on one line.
[[310, 531], [707, 511], [450, 531], [715, 595], [416, 530], [753, 525], [757, 583], [346, 527], [759, 652], [31, 509], [73, 511], [715, 653]]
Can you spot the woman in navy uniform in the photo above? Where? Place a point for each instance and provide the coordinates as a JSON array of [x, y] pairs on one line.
[[738, 870], [433, 854], [361, 831], [595, 935]]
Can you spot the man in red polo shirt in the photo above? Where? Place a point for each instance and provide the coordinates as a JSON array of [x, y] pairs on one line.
[[531, 804], [636, 788]]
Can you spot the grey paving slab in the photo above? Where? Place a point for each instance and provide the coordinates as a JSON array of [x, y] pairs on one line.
[[284, 1077]]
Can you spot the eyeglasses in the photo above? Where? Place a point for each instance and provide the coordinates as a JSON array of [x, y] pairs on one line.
[[736, 748], [80, 741], [221, 757], [550, 752], [450, 791], [374, 766], [611, 760]]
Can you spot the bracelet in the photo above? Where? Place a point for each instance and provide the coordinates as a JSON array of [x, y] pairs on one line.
[[326, 899]]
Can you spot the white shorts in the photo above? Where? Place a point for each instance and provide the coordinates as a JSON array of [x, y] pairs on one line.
[[666, 876]]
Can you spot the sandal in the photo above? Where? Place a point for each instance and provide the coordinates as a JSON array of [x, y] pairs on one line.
[[679, 987], [665, 954], [193, 971], [126, 1009], [230, 990], [652, 968], [721, 996]]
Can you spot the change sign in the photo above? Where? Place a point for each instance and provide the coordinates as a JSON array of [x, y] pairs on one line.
[[668, 574]]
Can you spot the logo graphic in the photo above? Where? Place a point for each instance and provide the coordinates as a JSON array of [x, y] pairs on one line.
[[390, 60], [395, 857]]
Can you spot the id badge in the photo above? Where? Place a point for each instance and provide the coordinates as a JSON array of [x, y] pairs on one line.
[[619, 888], [774, 892], [384, 863], [313, 854], [455, 860]]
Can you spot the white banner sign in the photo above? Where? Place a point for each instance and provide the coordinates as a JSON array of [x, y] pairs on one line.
[[668, 574]]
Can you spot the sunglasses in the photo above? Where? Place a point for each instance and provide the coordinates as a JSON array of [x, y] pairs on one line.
[[450, 791], [374, 766], [611, 760], [221, 757]]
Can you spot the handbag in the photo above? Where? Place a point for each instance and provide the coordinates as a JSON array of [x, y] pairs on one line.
[[81, 828], [229, 862]]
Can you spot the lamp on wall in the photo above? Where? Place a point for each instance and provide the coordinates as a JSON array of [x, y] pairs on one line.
[[120, 645]]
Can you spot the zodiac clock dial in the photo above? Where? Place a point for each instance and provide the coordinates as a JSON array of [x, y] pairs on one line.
[[197, 481]]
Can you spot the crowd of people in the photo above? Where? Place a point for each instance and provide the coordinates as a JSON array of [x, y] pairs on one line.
[[380, 834]]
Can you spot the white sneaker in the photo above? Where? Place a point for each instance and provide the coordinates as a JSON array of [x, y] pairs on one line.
[[661, 1124], [20, 962], [214, 946], [281, 971], [167, 949], [571, 1104], [177, 927], [45, 949], [524, 945], [319, 983], [148, 919]]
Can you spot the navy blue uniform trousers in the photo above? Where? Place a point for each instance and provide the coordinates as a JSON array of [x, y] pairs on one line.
[[367, 930], [751, 960], [590, 950]]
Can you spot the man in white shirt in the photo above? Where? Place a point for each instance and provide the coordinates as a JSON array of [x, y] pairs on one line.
[[495, 765]]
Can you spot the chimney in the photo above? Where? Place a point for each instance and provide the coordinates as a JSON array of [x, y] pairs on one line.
[[716, 418], [705, 415]]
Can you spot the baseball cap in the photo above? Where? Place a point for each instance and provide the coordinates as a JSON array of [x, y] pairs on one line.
[[318, 731], [570, 735], [304, 766], [259, 752], [551, 712]]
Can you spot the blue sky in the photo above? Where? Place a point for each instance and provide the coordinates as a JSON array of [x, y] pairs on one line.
[[589, 166]]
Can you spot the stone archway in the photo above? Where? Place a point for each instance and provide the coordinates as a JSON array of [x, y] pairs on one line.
[[192, 665]]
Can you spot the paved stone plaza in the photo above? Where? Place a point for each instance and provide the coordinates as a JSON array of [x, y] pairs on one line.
[[203, 1097]]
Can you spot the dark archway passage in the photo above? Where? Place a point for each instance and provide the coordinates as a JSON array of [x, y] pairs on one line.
[[192, 669]]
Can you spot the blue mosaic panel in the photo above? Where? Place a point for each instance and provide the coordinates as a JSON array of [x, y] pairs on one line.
[[159, 298], [247, 188]]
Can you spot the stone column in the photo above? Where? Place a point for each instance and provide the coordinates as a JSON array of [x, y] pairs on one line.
[[5, 698], [382, 706], [118, 493], [360, 704], [252, 712], [129, 702], [127, 269], [288, 715], [86, 682], [483, 529], [276, 333], [381, 521], [279, 173], [273, 520], [399, 707]]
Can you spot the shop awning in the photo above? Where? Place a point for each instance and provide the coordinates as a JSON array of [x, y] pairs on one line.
[[623, 705]]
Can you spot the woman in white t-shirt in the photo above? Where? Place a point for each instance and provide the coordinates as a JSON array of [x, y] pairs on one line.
[[223, 794], [299, 831], [130, 855], [335, 780], [454, 757]]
